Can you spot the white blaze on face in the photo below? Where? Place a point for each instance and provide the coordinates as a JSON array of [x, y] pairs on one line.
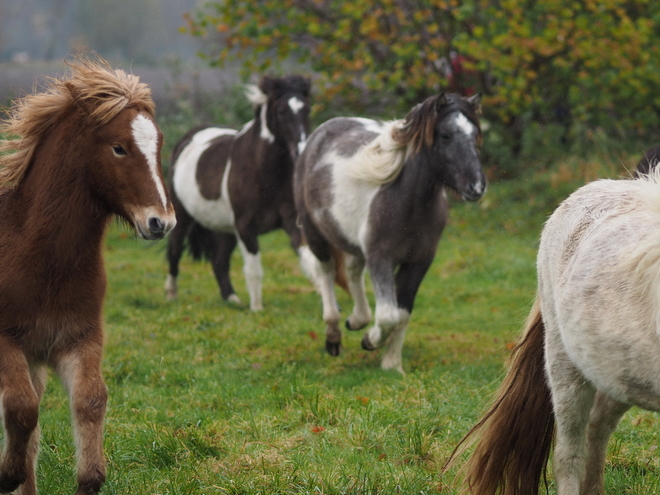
[[464, 124], [295, 104], [145, 135], [264, 132]]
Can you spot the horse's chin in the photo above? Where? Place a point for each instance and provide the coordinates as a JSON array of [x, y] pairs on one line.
[[146, 234]]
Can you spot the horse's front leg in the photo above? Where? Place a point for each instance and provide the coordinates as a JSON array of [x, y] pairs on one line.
[[20, 412], [80, 372], [39, 375], [252, 269], [408, 279]]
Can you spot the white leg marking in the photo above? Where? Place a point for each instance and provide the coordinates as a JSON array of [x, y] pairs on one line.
[[391, 359], [254, 274], [310, 266], [264, 132], [388, 316], [145, 135], [234, 299], [170, 287]]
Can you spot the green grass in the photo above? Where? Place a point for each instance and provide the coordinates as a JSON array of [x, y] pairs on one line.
[[207, 398]]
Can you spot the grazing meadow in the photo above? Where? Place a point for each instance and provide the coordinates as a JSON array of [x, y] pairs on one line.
[[207, 397]]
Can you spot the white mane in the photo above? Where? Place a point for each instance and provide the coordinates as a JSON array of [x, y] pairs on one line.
[[644, 258], [380, 161], [255, 95]]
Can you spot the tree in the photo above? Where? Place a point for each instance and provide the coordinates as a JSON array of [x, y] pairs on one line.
[[582, 64]]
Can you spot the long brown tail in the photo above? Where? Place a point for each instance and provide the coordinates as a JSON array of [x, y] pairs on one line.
[[514, 437]]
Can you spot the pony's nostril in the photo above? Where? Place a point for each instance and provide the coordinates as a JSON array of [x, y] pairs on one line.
[[156, 225]]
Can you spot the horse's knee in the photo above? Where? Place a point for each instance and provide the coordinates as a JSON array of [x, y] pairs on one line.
[[21, 412], [89, 407]]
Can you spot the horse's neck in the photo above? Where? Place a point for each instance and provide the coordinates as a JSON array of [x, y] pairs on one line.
[[418, 179], [268, 158], [59, 215]]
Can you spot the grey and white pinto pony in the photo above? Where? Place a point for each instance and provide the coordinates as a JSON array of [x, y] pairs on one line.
[[230, 186], [377, 192], [589, 350]]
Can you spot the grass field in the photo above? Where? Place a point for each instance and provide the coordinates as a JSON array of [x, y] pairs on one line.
[[208, 398]]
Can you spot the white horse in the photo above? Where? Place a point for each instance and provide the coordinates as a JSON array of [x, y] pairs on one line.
[[590, 349]]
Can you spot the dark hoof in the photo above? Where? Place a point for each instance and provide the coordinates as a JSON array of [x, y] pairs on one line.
[[90, 487], [333, 348], [366, 344], [8, 485]]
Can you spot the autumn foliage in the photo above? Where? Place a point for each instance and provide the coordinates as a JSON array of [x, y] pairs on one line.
[[581, 64]]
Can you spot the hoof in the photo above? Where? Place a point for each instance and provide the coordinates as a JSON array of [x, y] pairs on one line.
[[356, 327], [8, 485], [234, 299], [333, 348], [366, 344]]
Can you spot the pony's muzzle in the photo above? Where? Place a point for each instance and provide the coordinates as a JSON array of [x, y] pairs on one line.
[[154, 226], [474, 191]]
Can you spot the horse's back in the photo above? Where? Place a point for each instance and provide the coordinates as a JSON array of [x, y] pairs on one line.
[[598, 269], [325, 191]]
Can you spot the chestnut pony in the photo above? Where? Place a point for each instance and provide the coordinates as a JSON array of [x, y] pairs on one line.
[[72, 156]]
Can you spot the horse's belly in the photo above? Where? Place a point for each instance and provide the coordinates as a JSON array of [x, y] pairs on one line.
[[214, 214], [608, 323]]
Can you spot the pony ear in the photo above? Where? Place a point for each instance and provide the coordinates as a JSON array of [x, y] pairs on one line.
[[475, 102], [440, 101], [268, 85], [308, 86]]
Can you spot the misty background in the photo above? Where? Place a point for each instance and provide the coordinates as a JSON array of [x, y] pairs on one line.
[[140, 36]]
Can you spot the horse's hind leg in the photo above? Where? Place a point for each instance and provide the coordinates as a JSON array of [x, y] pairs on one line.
[[572, 398], [605, 416], [224, 246], [361, 315], [80, 371], [20, 412]]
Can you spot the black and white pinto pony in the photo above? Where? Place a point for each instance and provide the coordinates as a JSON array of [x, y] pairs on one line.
[[589, 350], [377, 192], [230, 186]]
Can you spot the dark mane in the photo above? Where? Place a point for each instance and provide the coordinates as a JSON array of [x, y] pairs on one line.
[[275, 87], [418, 126]]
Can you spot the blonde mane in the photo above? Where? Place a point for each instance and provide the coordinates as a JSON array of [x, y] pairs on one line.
[[381, 160], [97, 90]]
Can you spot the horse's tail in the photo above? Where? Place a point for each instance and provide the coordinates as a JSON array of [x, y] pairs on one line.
[[514, 437], [200, 242]]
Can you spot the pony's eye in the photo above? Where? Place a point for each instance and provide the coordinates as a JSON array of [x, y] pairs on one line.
[[118, 150], [445, 137]]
